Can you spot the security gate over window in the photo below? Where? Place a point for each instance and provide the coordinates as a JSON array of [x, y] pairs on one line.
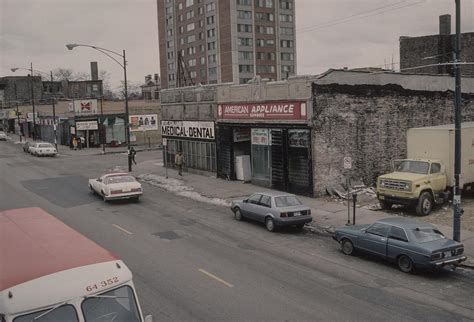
[[199, 155]]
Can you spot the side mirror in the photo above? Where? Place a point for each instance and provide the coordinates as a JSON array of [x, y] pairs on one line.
[[246, 200], [148, 318], [99, 180]]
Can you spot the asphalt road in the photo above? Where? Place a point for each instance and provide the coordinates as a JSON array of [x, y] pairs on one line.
[[192, 261]]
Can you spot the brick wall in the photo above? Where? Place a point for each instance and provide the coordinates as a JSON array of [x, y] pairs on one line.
[[369, 123], [415, 50]]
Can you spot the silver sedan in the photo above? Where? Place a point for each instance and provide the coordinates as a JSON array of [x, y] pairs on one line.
[[273, 209]]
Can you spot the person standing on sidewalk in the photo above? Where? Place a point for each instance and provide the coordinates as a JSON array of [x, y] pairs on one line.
[[179, 161], [132, 155], [74, 143]]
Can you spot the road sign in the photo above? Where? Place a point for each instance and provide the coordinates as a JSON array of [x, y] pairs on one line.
[[347, 163], [165, 142]]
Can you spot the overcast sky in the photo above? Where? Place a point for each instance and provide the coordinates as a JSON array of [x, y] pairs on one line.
[[330, 33]]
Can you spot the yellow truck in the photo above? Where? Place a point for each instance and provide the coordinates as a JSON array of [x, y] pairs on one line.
[[426, 177]]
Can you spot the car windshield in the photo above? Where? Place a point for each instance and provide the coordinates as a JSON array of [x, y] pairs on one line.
[[61, 313], [287, 201], [45, 145], [120, 179], [427, 234], [413, 167], [118, 305]]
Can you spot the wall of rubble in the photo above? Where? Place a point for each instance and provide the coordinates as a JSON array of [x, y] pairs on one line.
[[368, 123]]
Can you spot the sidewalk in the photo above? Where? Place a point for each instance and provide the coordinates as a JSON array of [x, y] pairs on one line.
[[66, 150], [327, 215]]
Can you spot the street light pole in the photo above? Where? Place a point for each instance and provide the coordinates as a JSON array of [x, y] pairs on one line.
[[33, 102], [54, 113], [457, 133], [127, 127], [108, 53]]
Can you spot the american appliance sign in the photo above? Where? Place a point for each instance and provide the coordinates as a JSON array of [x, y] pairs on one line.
[[266, 111], [187, 129]]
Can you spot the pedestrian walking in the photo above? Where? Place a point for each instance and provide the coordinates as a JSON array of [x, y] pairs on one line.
[[74, 143], [132, 155], [179, 162]]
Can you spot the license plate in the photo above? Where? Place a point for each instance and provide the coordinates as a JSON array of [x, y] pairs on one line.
[[297, 214], [447, 254]]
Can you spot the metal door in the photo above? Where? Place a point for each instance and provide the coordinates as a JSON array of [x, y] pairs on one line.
[[225, 152]]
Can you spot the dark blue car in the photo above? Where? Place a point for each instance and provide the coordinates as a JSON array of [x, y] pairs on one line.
[[408, 242]]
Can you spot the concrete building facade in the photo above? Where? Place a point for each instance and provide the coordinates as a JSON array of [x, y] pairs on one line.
[[210, 41]]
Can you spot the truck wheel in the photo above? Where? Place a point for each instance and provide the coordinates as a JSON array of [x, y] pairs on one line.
[[425, 204], [385, 205]]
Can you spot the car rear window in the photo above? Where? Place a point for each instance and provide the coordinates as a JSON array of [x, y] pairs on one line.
[[45, 146], [120, 179], [427, 234], [287, 201]]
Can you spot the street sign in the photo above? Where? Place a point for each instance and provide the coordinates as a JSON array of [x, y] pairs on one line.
[[165, 142], [347, 163]]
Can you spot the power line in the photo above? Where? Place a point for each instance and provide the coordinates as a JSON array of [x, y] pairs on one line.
[[357, 17]]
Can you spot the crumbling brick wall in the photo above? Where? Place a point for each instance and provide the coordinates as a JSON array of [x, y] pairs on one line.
[[368, 123]]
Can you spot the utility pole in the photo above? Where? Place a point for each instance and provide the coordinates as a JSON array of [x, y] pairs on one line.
[[457, 138], [17, 112], [54, 113], [33, 102], [127, 126]]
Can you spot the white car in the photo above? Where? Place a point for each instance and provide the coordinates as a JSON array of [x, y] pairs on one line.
[[115, 186], [3, 136], [42, 149]]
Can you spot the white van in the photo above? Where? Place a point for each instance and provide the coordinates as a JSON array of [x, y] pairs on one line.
[[50, 272]]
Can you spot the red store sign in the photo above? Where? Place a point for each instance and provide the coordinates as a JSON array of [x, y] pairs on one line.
[[266, 111]]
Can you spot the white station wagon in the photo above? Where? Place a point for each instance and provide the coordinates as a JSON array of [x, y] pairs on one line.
[[42, 149], [113, 186]]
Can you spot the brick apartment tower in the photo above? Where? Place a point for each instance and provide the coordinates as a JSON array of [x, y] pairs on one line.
[[219, 41]]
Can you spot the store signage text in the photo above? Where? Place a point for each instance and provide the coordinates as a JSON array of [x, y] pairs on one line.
[[87, 125], [270, 111], [187, 129]]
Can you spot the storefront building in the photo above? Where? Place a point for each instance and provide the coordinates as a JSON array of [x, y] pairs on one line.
[[195, 139], [273, 136]]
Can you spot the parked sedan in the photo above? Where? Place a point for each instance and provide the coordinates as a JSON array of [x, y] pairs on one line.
[[27, 146], [273, 209], [113, 186], [3, 136], [408, 242], [42, 149]]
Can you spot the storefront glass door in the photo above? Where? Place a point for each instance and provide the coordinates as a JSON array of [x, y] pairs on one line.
[[261, 154]]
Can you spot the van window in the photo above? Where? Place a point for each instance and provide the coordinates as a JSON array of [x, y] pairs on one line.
[[118, 305], [435, 168], [62, 313]]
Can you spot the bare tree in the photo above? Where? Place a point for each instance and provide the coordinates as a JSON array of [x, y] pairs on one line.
[[60, 74], [134, 90]]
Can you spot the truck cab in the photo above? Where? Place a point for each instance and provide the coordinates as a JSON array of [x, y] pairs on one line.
[[420, 183]]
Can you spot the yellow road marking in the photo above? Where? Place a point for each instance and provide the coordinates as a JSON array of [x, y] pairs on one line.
[[216, 278], [122, 229]]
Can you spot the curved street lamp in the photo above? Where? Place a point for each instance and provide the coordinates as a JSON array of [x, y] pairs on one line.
[[109, 53], [33, 101]]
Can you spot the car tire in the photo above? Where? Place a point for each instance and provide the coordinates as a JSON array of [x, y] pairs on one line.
[[136, 199], [405, 264], [425, 204], [270, 224], [347, 247], [238, 214], [385, 205], [104, 197], [92, 190], [300, 226]]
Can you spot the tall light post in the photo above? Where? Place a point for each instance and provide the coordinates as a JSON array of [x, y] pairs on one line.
[[53, 99], [109, 54]]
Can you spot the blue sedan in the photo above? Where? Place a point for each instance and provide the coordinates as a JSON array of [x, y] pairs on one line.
[[407, 242]]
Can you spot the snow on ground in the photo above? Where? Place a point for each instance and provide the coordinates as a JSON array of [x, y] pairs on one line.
[[179, 188]]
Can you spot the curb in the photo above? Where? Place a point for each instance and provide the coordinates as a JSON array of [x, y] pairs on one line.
[[113, 152]]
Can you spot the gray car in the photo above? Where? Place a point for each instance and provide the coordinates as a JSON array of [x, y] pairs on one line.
[[273, 209], [408, 242]]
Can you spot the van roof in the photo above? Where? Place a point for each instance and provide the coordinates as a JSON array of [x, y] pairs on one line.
[[35, 244]]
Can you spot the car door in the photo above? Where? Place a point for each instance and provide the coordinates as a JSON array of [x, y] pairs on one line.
[[438, 177], [264, 207], [397, 242], [374, 239], [251, 207]]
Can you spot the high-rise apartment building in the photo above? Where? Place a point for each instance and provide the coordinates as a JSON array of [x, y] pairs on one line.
[[218, 41]]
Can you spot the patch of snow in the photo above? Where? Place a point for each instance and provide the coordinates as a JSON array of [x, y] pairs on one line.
[[180, 189]]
